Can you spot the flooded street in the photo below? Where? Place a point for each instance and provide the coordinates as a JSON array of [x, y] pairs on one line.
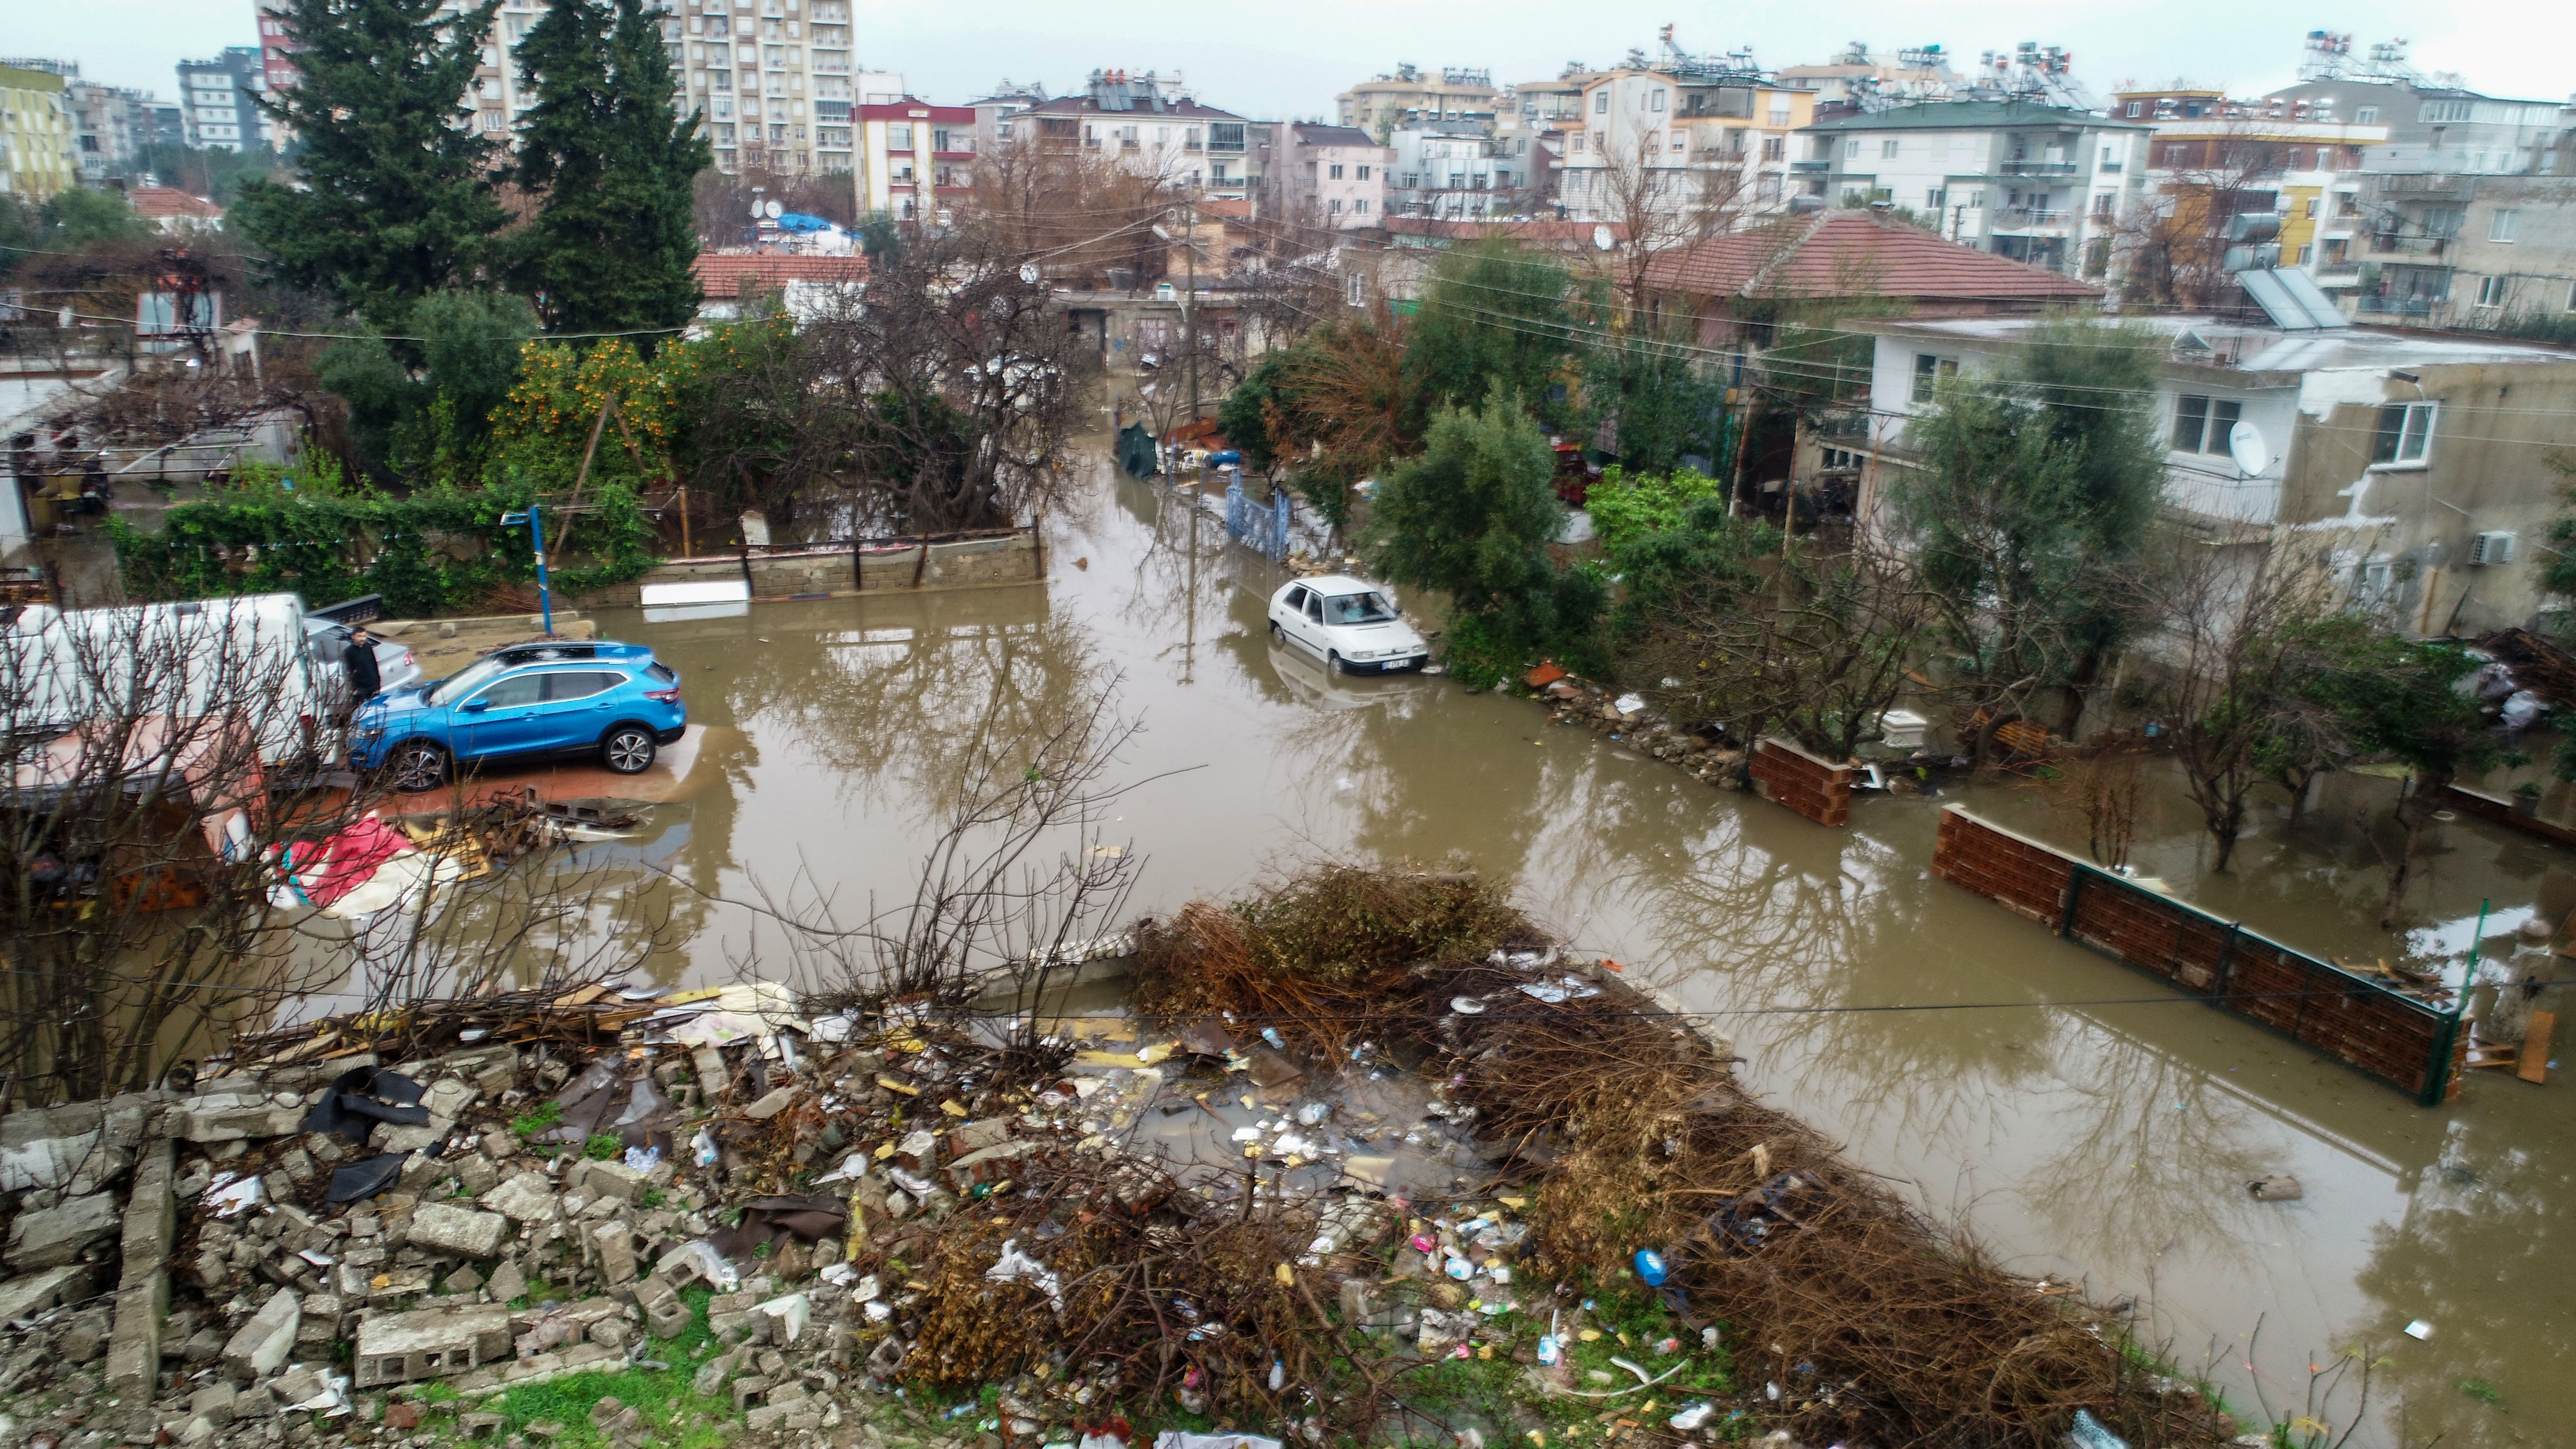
[[2089, 1123]]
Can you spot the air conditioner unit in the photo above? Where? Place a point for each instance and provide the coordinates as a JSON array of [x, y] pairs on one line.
[[2491, 548]]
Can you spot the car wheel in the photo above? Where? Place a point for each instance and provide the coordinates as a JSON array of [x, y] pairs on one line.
[[628, 750], [1275, 635], [417, 765], [1333, 662]]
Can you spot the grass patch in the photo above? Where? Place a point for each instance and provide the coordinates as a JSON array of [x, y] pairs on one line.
[[675, 1414], [536, 1119], [603, 1146]]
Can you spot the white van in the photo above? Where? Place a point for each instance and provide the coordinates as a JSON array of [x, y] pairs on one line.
[[248, 654]]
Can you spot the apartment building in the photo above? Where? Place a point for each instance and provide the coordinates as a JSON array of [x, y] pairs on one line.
[[1691, 138], [1454, 173], [915, 160], [1857, 80], [2034, 182], [2210, 159], [1331, 176], [2415, 470], [999, 118], [219, 100], [36, 133], [112, 125], [1410, 96], [1151, 127]]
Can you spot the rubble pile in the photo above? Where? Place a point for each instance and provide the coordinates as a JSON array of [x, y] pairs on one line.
[[905, 1225]]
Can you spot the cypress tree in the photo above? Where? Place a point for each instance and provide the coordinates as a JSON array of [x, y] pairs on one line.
[[610, 246], [397, 200]]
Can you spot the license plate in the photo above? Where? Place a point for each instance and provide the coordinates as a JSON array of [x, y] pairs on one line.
[[1395, 666]]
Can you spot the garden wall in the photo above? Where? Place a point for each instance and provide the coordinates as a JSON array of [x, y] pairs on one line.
[[2366, 1024], [1820, 791], [835, 570]]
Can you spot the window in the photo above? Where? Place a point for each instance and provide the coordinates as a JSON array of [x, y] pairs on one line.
[[2571, 296], [1335, 207], [561, 687], [2366, 116], [2307, 254], [1928, 372], [1334, 171], [2506, 223], [1851, 149], [1654, 100], [514, 693], [1932, 198], [2310, 208], [1887, 150], [898, 135], [2490, 291], [1360, 207], [2375, 580], [2405, 433], [2103, 201], [1363, 173], [2201, 424], [2135, 107], [1775, 148], [1355, 292], [1601, 103], [2440, 111]]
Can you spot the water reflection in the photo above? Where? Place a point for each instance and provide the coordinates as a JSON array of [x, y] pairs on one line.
[[2110, 1143]]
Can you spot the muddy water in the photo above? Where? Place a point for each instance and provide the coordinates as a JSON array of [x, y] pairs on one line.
[[2088, 1125]]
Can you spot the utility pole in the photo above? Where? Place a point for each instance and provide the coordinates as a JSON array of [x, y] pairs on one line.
[[1190, 298]]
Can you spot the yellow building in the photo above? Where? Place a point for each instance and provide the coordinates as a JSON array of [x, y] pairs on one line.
[[36, 146]]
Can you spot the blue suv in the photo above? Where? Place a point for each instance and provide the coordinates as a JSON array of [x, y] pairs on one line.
[[612, 700]]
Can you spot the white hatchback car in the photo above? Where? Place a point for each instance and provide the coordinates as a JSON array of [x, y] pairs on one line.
[[1350, 625]]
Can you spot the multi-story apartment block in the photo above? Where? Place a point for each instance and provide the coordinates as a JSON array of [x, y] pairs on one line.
[[998, 117], [774, 82], [36, 134], [1410, 97], [2037, 183], [2211, 159], [112, 124], [1151, 127], [914, 159], [1331, 176], [1856, 80], [1694, 138], [1452, 173], [219, 100]]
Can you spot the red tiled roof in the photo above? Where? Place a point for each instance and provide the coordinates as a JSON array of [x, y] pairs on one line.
[[1472, 229], [721, 274], [156, 202], [1847, 253]]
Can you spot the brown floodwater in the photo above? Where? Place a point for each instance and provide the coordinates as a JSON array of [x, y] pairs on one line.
[[2089, 1125]]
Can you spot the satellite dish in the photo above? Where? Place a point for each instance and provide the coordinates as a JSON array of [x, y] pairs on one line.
[[2245, 444], [1029, 273], [773, 210], [1602, 240]]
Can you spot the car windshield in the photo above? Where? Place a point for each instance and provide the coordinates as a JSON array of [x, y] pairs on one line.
[[464, 679], [1357, 609]]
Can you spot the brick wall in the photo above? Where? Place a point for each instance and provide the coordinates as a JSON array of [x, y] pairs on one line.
[[831, 573], [1789, 775], [2353, 1019]]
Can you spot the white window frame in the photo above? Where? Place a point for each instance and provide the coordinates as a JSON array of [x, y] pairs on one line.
[[2491, 292], [2506, 222], [2415, 435]]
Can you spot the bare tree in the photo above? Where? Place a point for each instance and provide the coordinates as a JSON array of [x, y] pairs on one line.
[[1664, 207], [2173, 249], [1077, 213]]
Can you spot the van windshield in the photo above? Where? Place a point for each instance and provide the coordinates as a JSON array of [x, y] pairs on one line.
[[1358, 609]]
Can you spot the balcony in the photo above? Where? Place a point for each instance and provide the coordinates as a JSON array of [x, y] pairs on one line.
[[2385, 244], [2037, 168], [2029, 218], [1814, 166]]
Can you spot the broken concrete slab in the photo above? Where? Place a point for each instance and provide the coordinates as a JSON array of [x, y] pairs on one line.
[[36, 1292], [74, 1149], [990, 1164], [51, 1237], [611, 1179], [446, 1228], [613, 1248], [428, 1343], [526, 1198], [263, 1344], [507, 1282], [236, 1116], [773, 1104]]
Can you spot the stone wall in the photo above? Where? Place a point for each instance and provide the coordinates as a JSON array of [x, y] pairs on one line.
[[823, 573], [2366, 1024], [1820, 791]]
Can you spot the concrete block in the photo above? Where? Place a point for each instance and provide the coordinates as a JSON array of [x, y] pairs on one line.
[[429, 1343], [73, 1149], [134, 1343], [51, 1237], [446, 1228], [526, 1198], [613, 1245], [235, 1117], [263, 1344], [608, 1180]]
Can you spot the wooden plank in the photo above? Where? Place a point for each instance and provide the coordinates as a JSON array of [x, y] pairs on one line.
[[2535, 1047]]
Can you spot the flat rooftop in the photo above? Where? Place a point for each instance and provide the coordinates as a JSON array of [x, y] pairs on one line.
[[2255, 347]]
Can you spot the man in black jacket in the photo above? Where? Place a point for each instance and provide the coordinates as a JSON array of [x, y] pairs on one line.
[[358, 657]]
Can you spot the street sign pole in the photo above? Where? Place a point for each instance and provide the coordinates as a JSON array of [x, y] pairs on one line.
[[537, 536]]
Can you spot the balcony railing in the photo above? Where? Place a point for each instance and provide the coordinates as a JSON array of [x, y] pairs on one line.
[[1811, 165], [2037, 168], [2026, 218], [2386, 244]]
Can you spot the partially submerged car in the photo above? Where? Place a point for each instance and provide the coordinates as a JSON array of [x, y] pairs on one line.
[[614, 701], [1351, 625]]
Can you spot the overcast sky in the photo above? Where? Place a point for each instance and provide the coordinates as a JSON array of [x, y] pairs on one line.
[[1286, 61]]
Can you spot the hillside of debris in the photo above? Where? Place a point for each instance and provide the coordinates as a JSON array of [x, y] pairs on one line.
[[1368, 1157]]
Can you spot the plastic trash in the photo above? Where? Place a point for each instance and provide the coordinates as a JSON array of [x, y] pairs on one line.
[[1278, 1375], [364, 1179], [2088, 1433], [1313, 1114], [1651, 1267], [1015, 1266], [704, 1148], [232, 1195], [1466, 1006], [714, 1267], [1271, 1035], [1551, 1350], [643, 1159], [1692, 1417], [2420, 1329]]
